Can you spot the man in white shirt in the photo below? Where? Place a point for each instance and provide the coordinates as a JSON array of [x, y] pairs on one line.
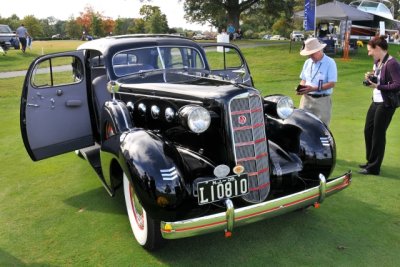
[[318, 77]]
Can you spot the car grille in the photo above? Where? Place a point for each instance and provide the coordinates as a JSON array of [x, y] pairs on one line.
[[250, 144]]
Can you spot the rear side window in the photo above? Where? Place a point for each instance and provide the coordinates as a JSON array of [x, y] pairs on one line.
[[57, 71]]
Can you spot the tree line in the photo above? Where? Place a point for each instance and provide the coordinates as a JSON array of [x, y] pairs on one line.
[[254, 17], [91, 22]]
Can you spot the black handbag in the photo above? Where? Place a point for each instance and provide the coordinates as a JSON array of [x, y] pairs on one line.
[[392, 96]]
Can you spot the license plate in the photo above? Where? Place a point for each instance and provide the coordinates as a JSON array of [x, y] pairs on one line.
[[222, 188]]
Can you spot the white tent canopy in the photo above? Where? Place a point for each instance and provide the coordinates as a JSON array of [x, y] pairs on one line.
[[338, 11]]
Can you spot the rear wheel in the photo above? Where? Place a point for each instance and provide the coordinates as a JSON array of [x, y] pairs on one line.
[[145, 229]]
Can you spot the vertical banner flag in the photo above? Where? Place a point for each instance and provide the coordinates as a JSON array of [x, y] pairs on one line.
[[309, 15]]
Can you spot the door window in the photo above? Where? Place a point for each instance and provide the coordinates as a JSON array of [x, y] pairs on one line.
[[57, 71], [223, 59]]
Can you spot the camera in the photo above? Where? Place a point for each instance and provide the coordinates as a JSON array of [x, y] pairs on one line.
[[371, 78]]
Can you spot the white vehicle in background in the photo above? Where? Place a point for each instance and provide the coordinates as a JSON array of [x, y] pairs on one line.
[[277, 37], [199, 36], [297, 36], [267, 37]]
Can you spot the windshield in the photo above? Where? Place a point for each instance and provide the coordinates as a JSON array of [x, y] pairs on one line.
[[154, 58]]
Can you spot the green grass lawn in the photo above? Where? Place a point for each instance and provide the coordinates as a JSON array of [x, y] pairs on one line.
[[55, 212]]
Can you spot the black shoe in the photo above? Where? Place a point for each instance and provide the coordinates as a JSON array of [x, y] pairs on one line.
[[363, 166], [367, 172]]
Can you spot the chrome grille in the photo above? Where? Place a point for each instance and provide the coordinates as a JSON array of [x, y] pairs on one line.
[[250, 143]]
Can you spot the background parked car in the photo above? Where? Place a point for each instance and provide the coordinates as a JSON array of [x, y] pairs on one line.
[[199, 36], [297, 36], [277, 37], [266, 37], [8, 38]]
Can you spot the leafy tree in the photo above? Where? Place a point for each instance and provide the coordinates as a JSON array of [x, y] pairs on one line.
[[97, 26], [47, 28], [60, 27], [33, 26], [108, 25], [122, 25], [13, 21], [271, 17], [73, 29], [155, 21], [217, 12], [138, 26], [147, 11], [86, 18], [94, 23]]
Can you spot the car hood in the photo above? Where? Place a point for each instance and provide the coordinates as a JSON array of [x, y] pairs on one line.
[[186, 87]]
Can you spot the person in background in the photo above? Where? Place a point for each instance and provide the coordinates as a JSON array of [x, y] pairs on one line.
[[385, 82], [239, 34], [22, 34], [231, 31], [396, 37], [318, 77]]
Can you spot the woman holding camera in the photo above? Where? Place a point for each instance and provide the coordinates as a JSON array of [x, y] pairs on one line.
[[385, 82]]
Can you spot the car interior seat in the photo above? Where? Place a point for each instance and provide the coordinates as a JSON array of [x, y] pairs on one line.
[[100, 95]]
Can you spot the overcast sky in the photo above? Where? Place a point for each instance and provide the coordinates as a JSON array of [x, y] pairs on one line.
[[63, 10]]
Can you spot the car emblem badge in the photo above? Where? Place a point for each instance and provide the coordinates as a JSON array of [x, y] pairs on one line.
[[242, 119]]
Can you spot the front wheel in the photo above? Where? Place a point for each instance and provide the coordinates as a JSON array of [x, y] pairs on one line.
[[145, 229]]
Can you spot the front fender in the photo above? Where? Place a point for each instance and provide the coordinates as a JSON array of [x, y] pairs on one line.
[[309, 138], [155, 168]]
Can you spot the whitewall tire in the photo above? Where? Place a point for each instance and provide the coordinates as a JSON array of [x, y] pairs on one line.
[[145, 229]]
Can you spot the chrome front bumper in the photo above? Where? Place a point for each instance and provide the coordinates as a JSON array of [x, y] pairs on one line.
[[225, 221]]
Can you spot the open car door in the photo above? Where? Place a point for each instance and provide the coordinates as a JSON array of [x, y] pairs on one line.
[[54, 111], [227, 62]]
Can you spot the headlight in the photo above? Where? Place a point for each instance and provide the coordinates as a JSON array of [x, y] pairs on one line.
[[278, 106], [284, 107], [196, 118]]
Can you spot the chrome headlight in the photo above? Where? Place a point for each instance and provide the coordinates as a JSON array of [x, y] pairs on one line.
[[284, 107], [278, 106], [196, 118]]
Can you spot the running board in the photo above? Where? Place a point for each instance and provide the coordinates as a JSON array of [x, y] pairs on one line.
[[92, 155]]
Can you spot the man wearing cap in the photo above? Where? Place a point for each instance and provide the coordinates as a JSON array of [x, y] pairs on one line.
[[318, 77]]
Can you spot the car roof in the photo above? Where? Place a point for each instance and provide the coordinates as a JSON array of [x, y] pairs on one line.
[[119, 42]]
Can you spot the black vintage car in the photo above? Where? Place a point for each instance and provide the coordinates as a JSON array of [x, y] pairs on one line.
[[181, 128]]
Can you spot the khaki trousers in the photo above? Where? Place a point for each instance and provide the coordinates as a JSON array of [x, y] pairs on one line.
[[320, 107]]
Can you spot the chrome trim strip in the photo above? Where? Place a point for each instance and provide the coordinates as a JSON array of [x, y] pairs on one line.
[[253, 213]]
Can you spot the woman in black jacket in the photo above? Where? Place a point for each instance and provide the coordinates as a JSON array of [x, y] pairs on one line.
[[385, 82]]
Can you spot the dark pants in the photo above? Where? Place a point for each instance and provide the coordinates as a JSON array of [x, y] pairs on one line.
[[22, 41], [376, 123]]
